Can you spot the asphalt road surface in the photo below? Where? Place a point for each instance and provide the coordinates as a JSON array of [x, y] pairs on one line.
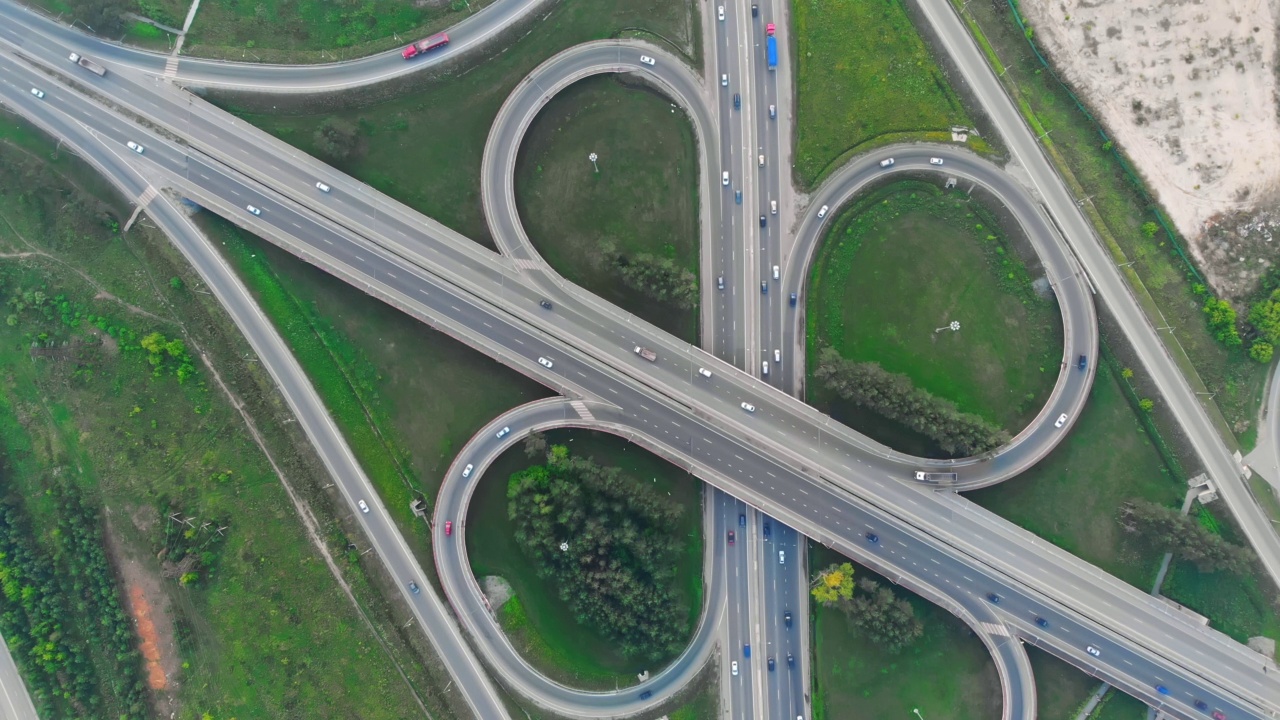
[[1128, 631]]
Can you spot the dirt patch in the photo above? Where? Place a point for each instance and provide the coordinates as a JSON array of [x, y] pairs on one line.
[[1189, 91], [148, 604]]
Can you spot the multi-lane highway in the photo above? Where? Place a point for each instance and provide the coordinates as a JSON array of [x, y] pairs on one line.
[[790, 459]]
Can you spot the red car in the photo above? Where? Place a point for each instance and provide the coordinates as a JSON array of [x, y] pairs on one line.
[[730, 537], [448, 527], [1219, 715]]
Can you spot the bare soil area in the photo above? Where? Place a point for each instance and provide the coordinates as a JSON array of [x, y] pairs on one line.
[[148, 605], [1188, 89]]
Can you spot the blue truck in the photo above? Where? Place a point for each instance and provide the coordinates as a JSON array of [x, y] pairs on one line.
[[772, 49]]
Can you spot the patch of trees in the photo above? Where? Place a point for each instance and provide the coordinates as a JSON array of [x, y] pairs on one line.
[[897, 398], [337, 138], [61, 614], [1169, 530], [884, 618], [192, 544], [604, 539], [35, 307], [658, 278]]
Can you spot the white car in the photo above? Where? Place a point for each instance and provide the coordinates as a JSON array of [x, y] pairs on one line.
[[748, 407], [322, 187], [773, 207], [935, 161], [733, 667], [38, 93], [1092, 651], [466, 471], [253, 209], [1062, 420], [134, 147], [886, 162], [720, 13], [544, 362], [647, 60], [724, 178], [773, 111], [782, 557], [761, 161], [724, 80], [364, 507], [504, 432], [704, 372], [764, 367], [776, 272], [777, 355], [822, 211]]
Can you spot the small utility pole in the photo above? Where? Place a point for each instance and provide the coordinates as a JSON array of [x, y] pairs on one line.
[[593, 157]]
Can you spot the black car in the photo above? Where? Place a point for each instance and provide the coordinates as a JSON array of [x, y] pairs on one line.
[[786, 618], [742, 521], [1201, 706], [771, 665], [413, 587], [793, 299], [994, 598], [763, 221], [764, 288], [791, 660], [1084, 361], [766, 529], [545, 303], [1042, 622], [755, 11], [737, 101], [646, 695], [873, 538]]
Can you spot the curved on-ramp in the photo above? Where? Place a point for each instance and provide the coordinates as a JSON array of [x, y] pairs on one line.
[[472, 608], [1075, 300], [466, 36], [463, 590], [498, 191], [1074, 295]]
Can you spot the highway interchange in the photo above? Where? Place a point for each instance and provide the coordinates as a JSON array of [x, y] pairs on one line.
[[379, 245]]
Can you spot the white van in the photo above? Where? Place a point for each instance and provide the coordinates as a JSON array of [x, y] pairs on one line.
[[775, 272]]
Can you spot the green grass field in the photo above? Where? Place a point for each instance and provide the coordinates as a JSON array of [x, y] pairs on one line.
[[1060, 688], [265, 630], [946, 674], [549, 636], [864, 75], [1107, 459], [1120, 210], [405, 396], [424, 147], [908, 259], [644, 199]]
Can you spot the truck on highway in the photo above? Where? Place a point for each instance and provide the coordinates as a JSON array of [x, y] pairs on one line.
[[935, 477], [646, 353], [772, 51], [87, 64], [426, 45]]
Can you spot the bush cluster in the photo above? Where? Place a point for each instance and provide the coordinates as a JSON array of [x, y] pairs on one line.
[[897, 398], [605, 541]]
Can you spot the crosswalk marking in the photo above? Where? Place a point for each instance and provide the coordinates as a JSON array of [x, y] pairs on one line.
[[147, 196], [171, 67], [524, 264], [581, 409], [995, 629]]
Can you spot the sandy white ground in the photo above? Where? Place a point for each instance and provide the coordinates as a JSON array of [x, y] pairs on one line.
[[1188, 89]]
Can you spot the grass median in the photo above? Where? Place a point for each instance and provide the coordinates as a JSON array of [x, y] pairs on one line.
[[539, 624], [643, 198], [895, 269], [864, 77]]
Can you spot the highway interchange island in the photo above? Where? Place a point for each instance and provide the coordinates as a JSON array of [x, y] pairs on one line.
[[781, 479]]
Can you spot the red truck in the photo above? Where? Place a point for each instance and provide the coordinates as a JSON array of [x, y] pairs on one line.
[[422, 46], [769, 29]]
